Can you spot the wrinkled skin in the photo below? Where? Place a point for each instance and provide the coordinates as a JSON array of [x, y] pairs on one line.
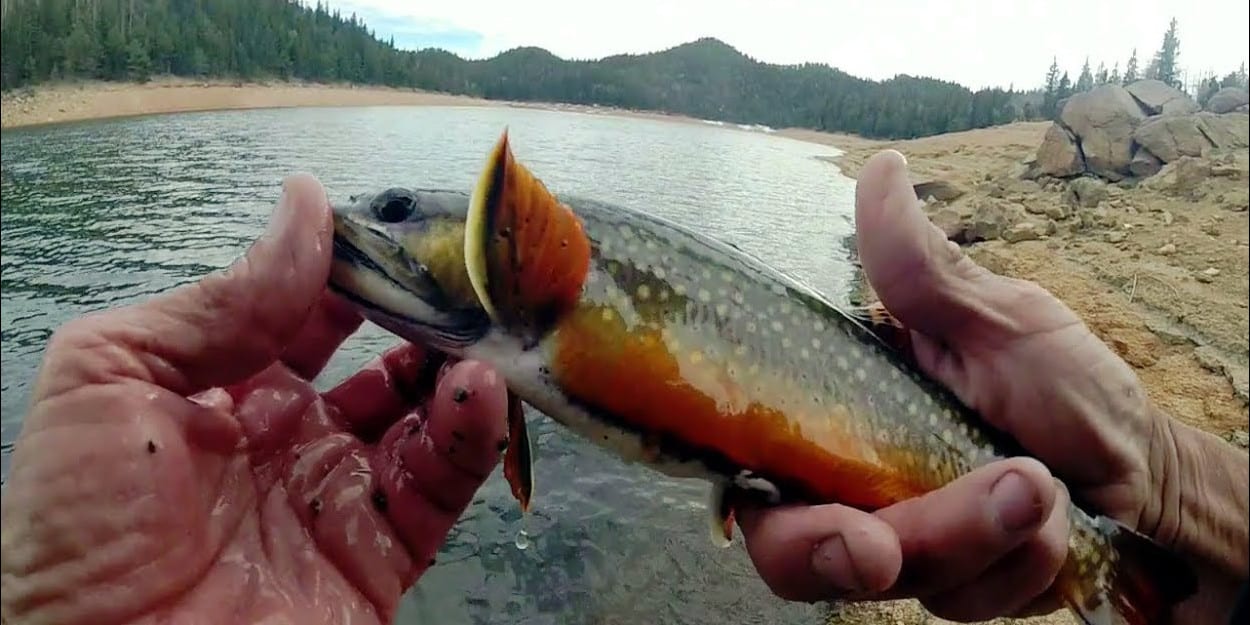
[[176, 465], [991, 543]]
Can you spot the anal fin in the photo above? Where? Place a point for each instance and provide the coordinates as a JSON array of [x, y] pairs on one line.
[[518, 461]]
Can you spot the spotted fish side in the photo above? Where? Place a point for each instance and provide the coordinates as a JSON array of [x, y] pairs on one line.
[[684, 353]]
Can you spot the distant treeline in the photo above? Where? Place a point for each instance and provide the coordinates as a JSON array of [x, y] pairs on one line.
[[1163, 67], [255, 39]]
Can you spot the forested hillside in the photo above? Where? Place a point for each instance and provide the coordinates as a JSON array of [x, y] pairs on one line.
[[256, 39]]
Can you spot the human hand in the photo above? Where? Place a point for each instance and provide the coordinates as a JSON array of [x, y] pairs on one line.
[[177, 465], [990, 543]]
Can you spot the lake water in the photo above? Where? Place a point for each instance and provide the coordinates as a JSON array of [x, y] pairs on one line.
[[101, 214]]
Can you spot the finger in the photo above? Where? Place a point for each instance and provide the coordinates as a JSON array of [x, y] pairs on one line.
[[1014, 583], [219, 330], [429, 469], [384, 390], [923, 279], [329, 324], [952, 535], [810, 553]]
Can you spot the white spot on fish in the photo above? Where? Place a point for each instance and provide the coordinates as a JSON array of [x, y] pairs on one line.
[[663, 295], [704, 296], [608, 315], [842, 363], [776, 325], [861, 374], [722, 310], [660, 273], [644, 292]]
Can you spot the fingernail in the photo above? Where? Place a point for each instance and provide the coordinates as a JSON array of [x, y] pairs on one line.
[[832, 561], [1015, 502]]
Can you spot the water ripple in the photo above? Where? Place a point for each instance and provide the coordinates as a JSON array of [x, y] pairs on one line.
[[97, 215]]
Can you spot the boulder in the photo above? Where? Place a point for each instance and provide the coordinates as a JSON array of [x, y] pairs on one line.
[[1229, 131], [1144, 163], [1159, 98], [1086, 192], [939, 190], [1059, 155], [1103, 120], [1171, 137], [1182, 176], [1228, 99]]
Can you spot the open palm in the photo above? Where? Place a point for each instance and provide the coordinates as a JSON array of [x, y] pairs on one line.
[[177, 465]]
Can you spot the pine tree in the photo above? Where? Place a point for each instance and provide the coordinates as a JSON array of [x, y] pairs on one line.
[[1085, 81], [1163, 66], [1114, 78], [1100, 77], [1130, 70], [1065, 87], [1050, 96]]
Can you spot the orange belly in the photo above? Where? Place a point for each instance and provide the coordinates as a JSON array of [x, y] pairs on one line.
[[635, 375]]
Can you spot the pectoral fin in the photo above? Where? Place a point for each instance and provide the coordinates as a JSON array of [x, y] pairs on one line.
[[526, 252], [518, 465], [720, 515]]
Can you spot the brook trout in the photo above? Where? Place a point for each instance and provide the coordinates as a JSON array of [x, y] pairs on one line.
[[673, 349]]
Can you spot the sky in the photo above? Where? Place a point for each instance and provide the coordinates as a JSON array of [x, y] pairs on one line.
[[977, 43]]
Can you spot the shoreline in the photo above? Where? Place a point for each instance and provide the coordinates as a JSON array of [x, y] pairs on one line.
[[84, 101]]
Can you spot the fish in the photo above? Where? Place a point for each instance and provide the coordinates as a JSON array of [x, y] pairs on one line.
[[678, 351]]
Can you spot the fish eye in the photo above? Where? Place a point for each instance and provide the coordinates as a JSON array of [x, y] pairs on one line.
[[394, 205]]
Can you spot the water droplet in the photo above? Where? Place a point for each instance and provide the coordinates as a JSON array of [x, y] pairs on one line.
[[522, 540]]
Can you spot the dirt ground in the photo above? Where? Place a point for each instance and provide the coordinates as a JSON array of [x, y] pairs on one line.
[[1162, 277]]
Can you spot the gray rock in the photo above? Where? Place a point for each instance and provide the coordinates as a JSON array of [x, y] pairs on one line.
[[939, 190], [1024, 231], [1228, 99], [1172, 137], [985, 221], [1158, 98], [1103, 120], [1058, 155], [1144, 163], [1182, 176], [1087, 192]]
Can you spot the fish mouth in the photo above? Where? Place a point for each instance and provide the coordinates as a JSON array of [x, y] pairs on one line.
[[396, 291]]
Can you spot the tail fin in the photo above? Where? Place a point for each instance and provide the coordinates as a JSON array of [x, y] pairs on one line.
[[1117, 576]]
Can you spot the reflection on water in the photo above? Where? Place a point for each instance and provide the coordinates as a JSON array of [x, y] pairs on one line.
[[102, 214]]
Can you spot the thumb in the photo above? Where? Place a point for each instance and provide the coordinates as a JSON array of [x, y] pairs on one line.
[[227, 326], [922, 278]]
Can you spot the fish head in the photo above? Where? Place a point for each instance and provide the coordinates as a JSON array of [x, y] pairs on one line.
[[399, 258], [445, 268]]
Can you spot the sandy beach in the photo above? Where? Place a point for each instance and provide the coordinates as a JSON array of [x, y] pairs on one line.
[[1161, 277]]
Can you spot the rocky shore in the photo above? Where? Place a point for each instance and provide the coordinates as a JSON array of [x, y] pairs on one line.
[[1132, 208]]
